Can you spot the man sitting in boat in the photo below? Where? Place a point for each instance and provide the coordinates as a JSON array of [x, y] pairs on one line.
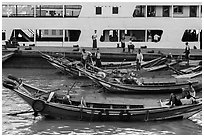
[[185, 99], [188, 95], [174, 100], [192, 90]]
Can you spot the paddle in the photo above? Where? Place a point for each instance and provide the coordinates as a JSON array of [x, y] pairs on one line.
[[93, 84], [22, 112], [47, 92], [175, 70], [71, 88]]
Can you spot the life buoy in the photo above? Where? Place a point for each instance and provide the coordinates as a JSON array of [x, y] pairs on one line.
[[38, 105], [9, 84]]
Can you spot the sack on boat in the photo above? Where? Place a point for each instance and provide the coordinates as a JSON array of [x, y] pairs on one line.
[[101, 74], [187, 101]]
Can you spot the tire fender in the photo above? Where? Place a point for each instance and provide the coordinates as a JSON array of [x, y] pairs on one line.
[[38, 105]]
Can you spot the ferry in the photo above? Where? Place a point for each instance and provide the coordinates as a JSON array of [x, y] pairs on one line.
[[68, 24]]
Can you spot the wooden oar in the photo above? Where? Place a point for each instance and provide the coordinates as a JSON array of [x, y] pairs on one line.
[[93, 84], [47, 92], [175, 70], [22, 112], [71, 88]]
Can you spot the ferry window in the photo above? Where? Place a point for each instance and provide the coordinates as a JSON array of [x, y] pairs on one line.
[[109, 36], [116, 35], [23, 35], [139, 11], [135, 35], [98, 10], [166, 11], [72, 35], [115, 10], [49, 10], [48, 35], [8, 10], [154, 35], [190, 35], [72, 10], [151, 11], [25, 10], [46, 32], [193, 11], [53, 32], [61, 32], [178, 9]]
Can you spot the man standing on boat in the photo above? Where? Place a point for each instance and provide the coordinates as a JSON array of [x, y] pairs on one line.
[[123, 42], [98, 58], [94, 38], [187, 53], [86, 57], [139, 59]]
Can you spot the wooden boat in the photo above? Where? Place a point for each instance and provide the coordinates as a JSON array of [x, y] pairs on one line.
[[159, 67], [189, 75], [192, 69], [106, 65], [63, 65], [60, 107], [115, 85], [132, 64]]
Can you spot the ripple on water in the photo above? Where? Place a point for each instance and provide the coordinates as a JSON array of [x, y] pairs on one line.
[[197, 118]]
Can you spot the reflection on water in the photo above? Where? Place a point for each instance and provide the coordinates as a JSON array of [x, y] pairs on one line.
[[48, 79]]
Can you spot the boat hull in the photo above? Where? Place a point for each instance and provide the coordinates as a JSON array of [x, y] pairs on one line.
[[99, 111], [56, 110], [138, 89]]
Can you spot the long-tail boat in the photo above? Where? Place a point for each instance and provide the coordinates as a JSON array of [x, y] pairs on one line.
[[139, 86], [43, 103]]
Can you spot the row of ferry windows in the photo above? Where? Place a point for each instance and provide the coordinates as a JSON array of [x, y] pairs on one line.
[[159, 11], [41, 10], [27, 35], [74, 11]]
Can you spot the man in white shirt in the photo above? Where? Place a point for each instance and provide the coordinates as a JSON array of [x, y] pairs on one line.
[[98, 58], [94, 38], [139, 59], [187, 53]]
